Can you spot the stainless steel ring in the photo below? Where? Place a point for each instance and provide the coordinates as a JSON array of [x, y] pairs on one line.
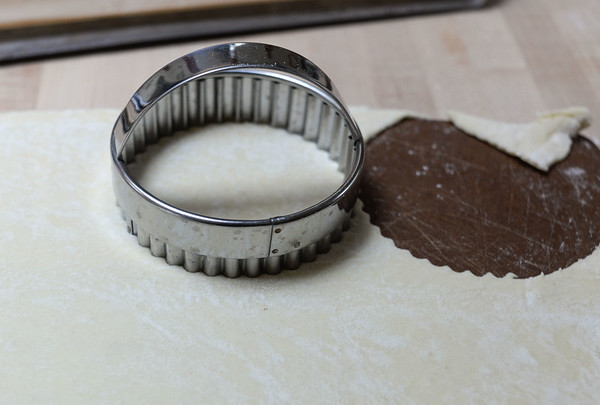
[[239, 82]]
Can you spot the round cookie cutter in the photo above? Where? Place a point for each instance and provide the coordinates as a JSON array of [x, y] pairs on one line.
[[237, 82]]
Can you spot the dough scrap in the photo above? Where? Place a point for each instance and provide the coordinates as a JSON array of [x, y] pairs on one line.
[[90, 316], [541, 143]]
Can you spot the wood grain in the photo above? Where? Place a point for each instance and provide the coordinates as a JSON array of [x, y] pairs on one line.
[[506, 62]]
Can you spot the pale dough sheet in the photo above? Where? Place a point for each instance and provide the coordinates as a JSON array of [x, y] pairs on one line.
[[87, 314]]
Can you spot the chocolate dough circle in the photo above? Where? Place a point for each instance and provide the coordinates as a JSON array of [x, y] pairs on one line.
[[456, 201]]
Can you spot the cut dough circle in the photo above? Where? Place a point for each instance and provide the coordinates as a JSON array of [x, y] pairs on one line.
[[90, 315]]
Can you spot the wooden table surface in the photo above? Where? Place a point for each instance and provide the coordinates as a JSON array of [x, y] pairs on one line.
[[507, 61]]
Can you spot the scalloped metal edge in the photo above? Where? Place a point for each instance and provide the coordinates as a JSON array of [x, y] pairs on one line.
[[232, 268]]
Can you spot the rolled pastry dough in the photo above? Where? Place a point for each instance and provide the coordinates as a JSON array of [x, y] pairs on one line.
[[87, 314]]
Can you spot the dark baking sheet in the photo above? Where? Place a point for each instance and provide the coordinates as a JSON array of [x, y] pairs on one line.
[[40, 41]]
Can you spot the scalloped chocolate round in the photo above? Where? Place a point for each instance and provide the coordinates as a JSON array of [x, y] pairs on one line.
[[457, 201]]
